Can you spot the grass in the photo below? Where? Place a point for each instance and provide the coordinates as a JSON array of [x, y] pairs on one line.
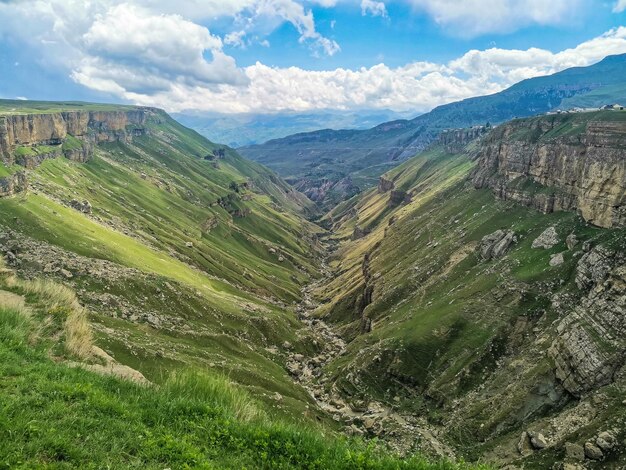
[[54, 416], [43, 107], [8, 170], [30, 151], [62, 303], [71, 143]]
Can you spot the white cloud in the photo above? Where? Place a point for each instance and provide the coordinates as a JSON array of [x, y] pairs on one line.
[[165, 46], [60, 21], [135, 53], [475, 17], [373, 8], [417, 86], [620, 6], [235, 38], [325, 3], [301, 18]]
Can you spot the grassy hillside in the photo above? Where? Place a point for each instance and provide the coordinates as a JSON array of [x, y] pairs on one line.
[[188, 256], [56, 413], [41, 107], [435, 330], [311, 159]]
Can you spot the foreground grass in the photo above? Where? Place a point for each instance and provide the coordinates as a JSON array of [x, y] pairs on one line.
[[56, 416]]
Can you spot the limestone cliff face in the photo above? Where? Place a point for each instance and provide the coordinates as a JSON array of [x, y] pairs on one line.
[[561, 162], [455, 139], [53, 129]]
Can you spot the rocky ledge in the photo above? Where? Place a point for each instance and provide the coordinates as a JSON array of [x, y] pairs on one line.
[[27, 139], [542, 163]]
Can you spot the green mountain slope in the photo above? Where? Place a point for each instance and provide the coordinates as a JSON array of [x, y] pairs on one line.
[[184, 253], [330, 165], [59, 413], [452, 313]]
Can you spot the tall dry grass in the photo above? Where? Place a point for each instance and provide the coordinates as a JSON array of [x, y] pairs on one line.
[[76, 328]]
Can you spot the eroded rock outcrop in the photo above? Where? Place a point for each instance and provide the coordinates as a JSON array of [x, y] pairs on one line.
[[536, 162], [591, 341], [496, 244], [454, 140], [12, 184], [398, 197], [384, 185]]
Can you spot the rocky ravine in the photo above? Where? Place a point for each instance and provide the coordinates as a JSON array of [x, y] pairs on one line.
[[401, 432]]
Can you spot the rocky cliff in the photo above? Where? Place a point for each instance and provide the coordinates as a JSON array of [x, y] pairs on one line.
[[27, 139], [12, 184], [560, 162], [591, 345], [453, 140]]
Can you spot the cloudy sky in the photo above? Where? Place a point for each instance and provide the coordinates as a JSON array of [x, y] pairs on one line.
[[238, 56]]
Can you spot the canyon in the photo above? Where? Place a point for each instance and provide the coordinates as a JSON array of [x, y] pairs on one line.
[[475, 295]]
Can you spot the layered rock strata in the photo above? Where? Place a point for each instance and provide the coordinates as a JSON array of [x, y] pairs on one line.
[[539, 163], [55, 129]]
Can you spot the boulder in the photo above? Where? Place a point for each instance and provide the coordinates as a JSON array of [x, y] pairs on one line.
[[84, 206], [524, 446], [67, 274], [538, 440], [606, 441], [369, 424], [571, 241], [593, 452], [574, 451], [547, 239], [572, 466], [496, 244], [557, 259]]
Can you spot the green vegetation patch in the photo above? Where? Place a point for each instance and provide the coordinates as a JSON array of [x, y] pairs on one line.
[[54, 416]]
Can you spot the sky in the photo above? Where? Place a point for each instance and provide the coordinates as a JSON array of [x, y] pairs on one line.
[[272, 56]]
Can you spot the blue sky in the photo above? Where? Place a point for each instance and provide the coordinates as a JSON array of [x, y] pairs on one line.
[[406, 35], [251, 56]]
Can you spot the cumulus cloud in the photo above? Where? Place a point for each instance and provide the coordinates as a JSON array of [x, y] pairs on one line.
[[131, 47], [235, 38], [137, 54], [371, 7], [301, 18], [475, 17], [417, 86], [620, 6]]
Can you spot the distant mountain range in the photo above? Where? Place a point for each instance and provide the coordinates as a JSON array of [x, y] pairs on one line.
[[238, 130], [330, 165]]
